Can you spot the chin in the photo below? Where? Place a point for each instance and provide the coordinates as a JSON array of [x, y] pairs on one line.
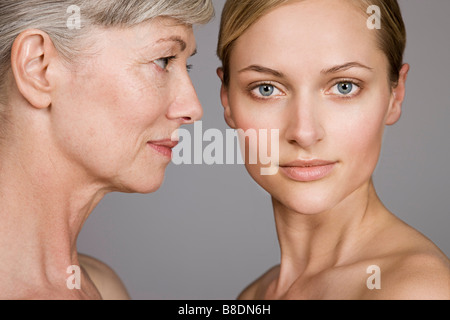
[[141, 189], [147, 189], [308, 208], [311, 209], [306, 202], [144, 184]]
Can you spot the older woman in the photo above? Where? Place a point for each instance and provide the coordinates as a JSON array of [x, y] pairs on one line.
[[328, 78], [91, 93]]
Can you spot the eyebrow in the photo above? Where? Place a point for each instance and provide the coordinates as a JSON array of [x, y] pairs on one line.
[[176, 39], [180, 42], [261, 69], [344, 67], [334, 69]]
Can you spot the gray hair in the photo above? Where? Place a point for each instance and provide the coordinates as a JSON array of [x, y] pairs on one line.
[[51, 16]]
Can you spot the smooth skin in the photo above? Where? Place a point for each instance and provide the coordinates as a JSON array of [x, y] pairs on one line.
[[79, 132], [313, 71]]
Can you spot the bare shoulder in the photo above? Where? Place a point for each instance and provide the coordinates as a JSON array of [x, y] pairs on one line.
[[412, 266], [256, 289], [105, 279], [420, 275]]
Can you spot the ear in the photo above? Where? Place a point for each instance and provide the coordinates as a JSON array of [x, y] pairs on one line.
[[30, 57], [225, 101], [398, 96]]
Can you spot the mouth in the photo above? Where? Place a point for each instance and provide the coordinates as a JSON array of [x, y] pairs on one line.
[[308, 170], [163, 147]]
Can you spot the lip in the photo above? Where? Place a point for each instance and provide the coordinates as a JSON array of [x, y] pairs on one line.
[[308, 170], [163, 147]]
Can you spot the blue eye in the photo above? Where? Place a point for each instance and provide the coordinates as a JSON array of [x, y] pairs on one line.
[[345, 87], [266, 90]]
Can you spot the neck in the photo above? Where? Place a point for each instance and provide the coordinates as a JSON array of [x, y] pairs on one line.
[[44, 204], [312, 243]]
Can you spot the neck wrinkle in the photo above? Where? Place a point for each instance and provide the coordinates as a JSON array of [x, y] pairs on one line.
[[44, 206]]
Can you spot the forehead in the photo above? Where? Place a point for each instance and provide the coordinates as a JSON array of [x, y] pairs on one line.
[[156, 33], [308, 33], [164, 30]]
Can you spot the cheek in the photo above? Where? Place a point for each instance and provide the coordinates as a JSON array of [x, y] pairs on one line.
[[101, 121], [125, 101], [260, 132], [358, 138]]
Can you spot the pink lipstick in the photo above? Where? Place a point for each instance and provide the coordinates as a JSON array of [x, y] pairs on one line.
[[308, 170]]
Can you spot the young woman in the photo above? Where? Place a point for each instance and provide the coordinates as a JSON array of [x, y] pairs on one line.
[[88, 104], [328, 80]]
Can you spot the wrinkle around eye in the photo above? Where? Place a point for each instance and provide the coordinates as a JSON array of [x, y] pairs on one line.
[[162, 63]]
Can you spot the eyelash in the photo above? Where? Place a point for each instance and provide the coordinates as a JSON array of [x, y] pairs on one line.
[[253, 87], [354, 82], [358, 84], [169, 60]]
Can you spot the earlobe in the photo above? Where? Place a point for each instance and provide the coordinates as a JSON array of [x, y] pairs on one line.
[[398, 96], [225, 100], [30, 55]]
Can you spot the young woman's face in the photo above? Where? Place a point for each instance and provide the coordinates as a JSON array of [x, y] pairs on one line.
[[313, 71]]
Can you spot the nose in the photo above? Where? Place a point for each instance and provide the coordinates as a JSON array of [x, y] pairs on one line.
[[185, 106], [304, 123]]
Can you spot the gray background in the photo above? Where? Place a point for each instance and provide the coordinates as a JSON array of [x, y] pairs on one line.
[[209, 230]]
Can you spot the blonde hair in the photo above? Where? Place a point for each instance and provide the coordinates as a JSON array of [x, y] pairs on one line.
[[51, 16], [239, 15]]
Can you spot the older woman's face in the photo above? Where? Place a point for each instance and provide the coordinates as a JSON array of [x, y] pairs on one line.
[[114, 116], [312, 70]]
